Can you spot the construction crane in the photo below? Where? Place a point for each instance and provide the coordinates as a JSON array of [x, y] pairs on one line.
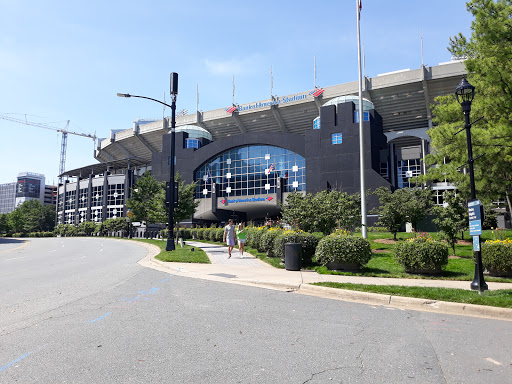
[[64, 142]]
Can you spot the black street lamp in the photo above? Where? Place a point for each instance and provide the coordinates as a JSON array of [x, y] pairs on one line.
[[465, 93], [174, 92]]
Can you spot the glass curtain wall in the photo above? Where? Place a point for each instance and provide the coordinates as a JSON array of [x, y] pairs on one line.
[[251, 170]]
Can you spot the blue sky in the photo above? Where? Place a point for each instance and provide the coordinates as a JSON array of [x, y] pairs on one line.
[[66, 60]]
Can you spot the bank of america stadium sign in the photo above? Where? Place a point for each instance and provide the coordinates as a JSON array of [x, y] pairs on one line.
[[287, 99], [248, 200]]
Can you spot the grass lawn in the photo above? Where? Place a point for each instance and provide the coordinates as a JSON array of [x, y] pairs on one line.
[[180, 255], [498, 298], [382, 264]]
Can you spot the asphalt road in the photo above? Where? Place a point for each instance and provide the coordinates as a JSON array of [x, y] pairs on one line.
[[83, 311]]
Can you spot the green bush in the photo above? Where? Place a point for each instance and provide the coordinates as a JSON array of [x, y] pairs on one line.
[[497, 257], [186, 233], [421, 255], [65, 230], [206, 234], [212, 234], [254, 236], [219, 235], [307, 240], [88, 228], [199, 233], [343, 249], [267, 240], [40, 234]]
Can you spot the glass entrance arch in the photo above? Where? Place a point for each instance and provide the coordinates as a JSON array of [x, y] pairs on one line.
[[251, 170]]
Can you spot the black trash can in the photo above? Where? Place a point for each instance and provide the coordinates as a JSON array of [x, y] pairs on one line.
[[292, 256]]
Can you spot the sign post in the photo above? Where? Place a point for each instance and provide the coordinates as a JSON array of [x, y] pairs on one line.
[[475, 210]]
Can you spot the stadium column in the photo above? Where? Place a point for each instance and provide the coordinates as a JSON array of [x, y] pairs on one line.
[[392, 172], [64, 202], [105, 196], [89, 199], [76, 220], [127, 177]]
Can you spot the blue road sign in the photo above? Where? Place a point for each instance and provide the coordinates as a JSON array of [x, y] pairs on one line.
[[475, 228], [476, 243]]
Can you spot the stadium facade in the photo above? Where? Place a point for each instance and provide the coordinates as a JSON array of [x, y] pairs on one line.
[[247, 158]]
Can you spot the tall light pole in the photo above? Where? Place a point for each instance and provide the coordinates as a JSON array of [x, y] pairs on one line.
[[174, 92], [170, 227], [465, 94], [361, 130]]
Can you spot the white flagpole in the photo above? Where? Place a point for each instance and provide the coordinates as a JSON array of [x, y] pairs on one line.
[[361, 132]]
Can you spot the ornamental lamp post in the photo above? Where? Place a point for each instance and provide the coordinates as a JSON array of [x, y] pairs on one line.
[[174, 92], [465, 94]]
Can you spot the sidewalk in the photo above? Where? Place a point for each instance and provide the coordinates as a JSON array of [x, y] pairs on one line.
[[249, 270]]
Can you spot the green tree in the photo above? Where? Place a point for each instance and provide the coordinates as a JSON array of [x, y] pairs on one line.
[[147, 201], [487, 56], [16, 220], [4, 223], [322, 212], [88, 228], [401, 206], [451, 218], [299, 211], [186, 202], [115, 225]]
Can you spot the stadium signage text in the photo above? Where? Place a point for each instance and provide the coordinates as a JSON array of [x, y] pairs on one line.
[[248, 200], [283, 100]]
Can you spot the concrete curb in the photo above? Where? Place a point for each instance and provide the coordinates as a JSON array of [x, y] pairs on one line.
[[408, 302], [368, 298]]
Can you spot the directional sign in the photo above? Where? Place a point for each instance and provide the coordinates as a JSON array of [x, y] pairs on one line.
[[476, 243], [475, 217]]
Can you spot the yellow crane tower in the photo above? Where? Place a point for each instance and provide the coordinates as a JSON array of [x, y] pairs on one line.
[[64, 142]]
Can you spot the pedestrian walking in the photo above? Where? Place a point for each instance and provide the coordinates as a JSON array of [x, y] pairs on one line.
[[241, 234], [229, 236]]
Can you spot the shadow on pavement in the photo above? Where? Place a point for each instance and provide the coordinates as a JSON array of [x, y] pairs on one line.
[[7, 240]]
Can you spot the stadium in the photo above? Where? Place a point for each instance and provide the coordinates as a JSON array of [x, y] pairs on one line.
[[247, 158]]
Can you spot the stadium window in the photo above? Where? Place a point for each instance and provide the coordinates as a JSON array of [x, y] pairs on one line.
[[192, 143], [336, 138], [316, 123], [366, 116]]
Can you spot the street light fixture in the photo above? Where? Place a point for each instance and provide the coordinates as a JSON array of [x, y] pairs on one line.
[[174, 92], [465, 94]]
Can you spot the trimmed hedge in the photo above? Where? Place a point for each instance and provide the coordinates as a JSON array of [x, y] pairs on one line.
[[307, 240], [337, 248], [254, 236], [268, 239], [497, 257], [421, 255]]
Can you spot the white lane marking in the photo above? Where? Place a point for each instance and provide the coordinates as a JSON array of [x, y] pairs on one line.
[[14, 258], [53, 250], [493, 361]]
